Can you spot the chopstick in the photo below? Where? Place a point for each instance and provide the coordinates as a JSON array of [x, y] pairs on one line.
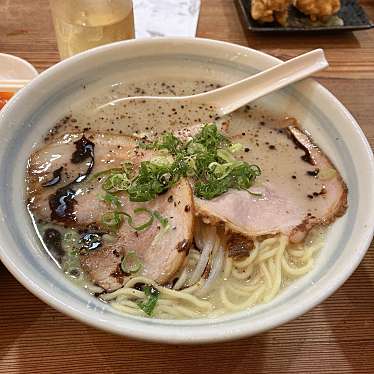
[[12, 85]]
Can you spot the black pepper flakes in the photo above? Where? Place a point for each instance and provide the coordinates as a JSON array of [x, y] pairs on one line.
[[313, 173]]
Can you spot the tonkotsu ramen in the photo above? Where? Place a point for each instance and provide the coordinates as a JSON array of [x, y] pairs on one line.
[[173, 213]]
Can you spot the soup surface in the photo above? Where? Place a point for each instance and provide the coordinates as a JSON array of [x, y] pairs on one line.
[[170, 212]]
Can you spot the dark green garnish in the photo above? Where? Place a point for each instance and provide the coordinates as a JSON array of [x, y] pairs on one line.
[[116, 182], [144, 225], [238, 175], [211, 138], [169, 142], [106, 172], [155, 178], [149, 305], [164, 221], [111, 199], [114, 219], [208, 159], [131, 263]]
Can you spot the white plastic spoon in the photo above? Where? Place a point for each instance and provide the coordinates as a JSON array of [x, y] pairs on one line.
[[227, 99]]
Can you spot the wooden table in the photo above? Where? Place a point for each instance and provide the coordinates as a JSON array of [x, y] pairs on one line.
[[336, 337]]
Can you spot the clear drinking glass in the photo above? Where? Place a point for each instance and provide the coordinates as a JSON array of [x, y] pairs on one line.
[[85, 24]]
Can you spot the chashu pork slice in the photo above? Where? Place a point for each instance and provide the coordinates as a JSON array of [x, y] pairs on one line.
[[58, 162], [161, 251], [298, 189]]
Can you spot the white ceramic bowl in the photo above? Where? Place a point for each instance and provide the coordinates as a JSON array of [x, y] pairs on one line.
[[35, 109]]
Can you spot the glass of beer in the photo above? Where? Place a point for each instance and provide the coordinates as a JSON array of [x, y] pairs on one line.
[[85, 24]]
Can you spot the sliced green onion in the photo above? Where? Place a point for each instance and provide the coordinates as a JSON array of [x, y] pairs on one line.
[[106, 172], [143, 226], [255, 193], [236, 147], [111, 219], [210, 137], [107, 185], [207, 158], [131, 263], [70, 238], [194, 148], [164, 221], [116, 182], [162, 161], [120, 182], [212, 166], [70, 241], [221, 171], [255, 170], [114, 219], [149, 305], [111, 199], [226, 155], [128, 167]]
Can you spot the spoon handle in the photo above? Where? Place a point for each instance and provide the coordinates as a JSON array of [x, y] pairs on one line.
[[233, 96]]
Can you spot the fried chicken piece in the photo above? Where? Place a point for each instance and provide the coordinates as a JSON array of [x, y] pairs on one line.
[[318, 9], [270, 10]]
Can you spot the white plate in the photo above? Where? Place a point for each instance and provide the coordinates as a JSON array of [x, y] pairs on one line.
[[13, 67], [49, 96]]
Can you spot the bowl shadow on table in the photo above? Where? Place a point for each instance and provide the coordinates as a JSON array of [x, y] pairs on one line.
[[299, 40]]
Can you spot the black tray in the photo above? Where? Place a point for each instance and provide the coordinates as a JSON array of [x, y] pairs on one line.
[[352, 14]]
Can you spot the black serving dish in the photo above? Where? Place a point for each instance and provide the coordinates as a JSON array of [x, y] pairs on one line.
[[352, 14]]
